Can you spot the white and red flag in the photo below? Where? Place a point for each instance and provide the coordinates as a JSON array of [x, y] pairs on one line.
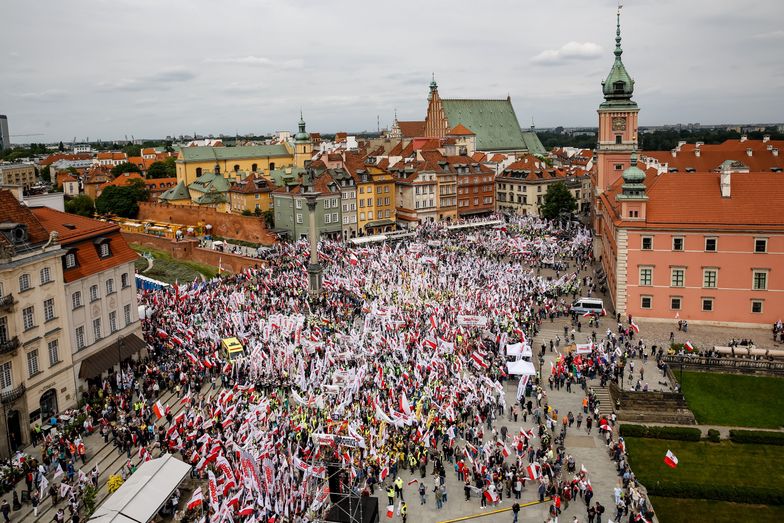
[[534, 471], [390, 511], [196, 500], [670, 459], [479, 360], [158, 409], [635, 327], [688, 346]]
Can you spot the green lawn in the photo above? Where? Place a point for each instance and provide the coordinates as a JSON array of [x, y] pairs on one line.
[[676, 510], [735, 400], [719, 464], [171, 270]]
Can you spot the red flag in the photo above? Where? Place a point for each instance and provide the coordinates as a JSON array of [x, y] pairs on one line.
[[635, 328], [390, 511], [670, 459], [688, 346], [196, 500], [158, 409], [479, 360]]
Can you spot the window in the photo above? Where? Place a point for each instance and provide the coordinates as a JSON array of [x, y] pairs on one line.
[[6, 381], [24, 282], [760, 281], [709, 278], [710, 244], [104, 251], [760, 245], [327, 204], [97, 328], [124, 280], [93, 292], [756, 306], [127, 314], [32, 363], [646, 276], [49, 309], [619, 167], [110, 286], [362, 216], [80, 337], [677, 243], [618, 139], [3, 329], [299, 217], [54, 350], [28, 316], [675, 303], [647, 243], [46, 275], [633, 214], [70, 260], [327, 218], [707, 304], [678, 276], [298, 204], [113, 321], [646, 302], [76, 298]]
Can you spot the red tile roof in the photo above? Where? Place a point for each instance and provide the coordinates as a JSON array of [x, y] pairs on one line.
[[78, 232], [11, 211], [49, 160], [461, 130], [711, 156], [412, 129]]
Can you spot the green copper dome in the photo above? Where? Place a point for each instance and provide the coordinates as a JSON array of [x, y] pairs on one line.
[[634, 174], [618, 85], [302, 135]]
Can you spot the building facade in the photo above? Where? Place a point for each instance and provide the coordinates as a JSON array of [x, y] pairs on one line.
[[36, 378], [22, 174], [291, 208], [5, 136]]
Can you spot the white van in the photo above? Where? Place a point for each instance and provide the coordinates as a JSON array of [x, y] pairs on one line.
[[585, 305]]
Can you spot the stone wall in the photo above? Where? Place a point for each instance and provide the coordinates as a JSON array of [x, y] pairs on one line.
[[248, 228], [189, 250]]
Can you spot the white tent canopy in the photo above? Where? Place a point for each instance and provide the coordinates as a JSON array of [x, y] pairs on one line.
[[519, 350], [520, 368], [140, 498]]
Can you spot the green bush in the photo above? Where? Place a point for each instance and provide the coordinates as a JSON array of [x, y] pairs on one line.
[[714, 435], [757, 437], [646, 431], [737, 494]]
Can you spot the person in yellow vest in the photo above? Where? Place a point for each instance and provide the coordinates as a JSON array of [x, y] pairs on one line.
[[403, 511], [399, 487], [391, 495]]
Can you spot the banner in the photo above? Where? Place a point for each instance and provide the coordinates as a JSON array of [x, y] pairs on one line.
[[471, 321], [334, 439]]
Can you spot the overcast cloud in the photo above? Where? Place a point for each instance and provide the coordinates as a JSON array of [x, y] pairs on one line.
[[151, 68]]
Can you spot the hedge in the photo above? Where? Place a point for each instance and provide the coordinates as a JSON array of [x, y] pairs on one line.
[[714, 435], [655, 432], [737, 494], [757, 437]]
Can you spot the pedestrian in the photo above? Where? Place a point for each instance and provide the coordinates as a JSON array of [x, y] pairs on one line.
[[403, 511], [515, 511], [422, 494], [599, 512], [5, 508]]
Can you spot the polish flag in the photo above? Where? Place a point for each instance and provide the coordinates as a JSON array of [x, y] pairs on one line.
[[604, 312], [390, 511], [384, 473], [192, 357], [196, 500], [404, 405], [412, 481], [491, 497], [505, 451], [178, 340], [534, 471], [688, 346], [162, 334], [158, 409], [353, 260], [433, 322], [479, 360], [634, 327], [670, 459], [587, 315], [247, 510]]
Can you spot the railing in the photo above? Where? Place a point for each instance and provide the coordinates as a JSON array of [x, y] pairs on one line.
[[7, 301], [9, 396], [9, 345], [727, 364]]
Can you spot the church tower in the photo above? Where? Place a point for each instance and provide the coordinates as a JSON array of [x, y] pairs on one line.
[[303, 147], [617, 121]]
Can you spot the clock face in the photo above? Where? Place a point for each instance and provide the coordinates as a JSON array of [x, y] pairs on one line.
[[619, 123]]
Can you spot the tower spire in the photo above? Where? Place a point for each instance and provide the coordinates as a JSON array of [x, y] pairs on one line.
[[618, 50]]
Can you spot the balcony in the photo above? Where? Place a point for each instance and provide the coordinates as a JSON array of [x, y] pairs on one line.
[[9, 396], [9, 345], [7, 302]]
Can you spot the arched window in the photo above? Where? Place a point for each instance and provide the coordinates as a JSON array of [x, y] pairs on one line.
[[236, 167], [272, 166], [254, 167], [198, 171]]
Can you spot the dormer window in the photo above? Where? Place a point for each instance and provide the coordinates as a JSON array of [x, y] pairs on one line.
[[619, 86], [102, 245]]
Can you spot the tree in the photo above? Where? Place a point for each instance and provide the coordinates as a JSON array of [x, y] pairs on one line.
[[558, 200], [164, 169], [126, 167], [46, 174], [61, 147], [82, 205], [132, 150], [122, 201]]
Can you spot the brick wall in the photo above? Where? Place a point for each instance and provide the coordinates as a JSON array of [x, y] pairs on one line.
[[189, 250], [248, 228]]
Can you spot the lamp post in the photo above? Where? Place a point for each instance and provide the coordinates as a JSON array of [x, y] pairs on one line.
[[315, 275], [119, 362]]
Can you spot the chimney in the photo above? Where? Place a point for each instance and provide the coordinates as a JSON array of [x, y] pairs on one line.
[[681, 144], [697, 152], [749, 152], [743, 137], [775, 151], [697, 145], [765, 138], [725, 182], [674, 153]]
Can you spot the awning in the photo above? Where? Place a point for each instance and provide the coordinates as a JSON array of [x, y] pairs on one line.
[[107, 357], [379, 223], [143, 494]]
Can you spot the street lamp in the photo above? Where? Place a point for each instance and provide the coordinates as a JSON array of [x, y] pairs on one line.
[[315, 270], [119, 362]]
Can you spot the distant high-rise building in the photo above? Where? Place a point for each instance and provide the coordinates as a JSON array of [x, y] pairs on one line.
[[5, 137]]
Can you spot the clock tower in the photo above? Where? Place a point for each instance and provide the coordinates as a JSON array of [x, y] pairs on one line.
[[617, 122]]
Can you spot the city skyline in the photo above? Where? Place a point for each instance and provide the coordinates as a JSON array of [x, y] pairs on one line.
[[175, 72]]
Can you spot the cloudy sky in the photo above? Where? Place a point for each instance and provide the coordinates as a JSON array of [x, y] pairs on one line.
[[150, 68]]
